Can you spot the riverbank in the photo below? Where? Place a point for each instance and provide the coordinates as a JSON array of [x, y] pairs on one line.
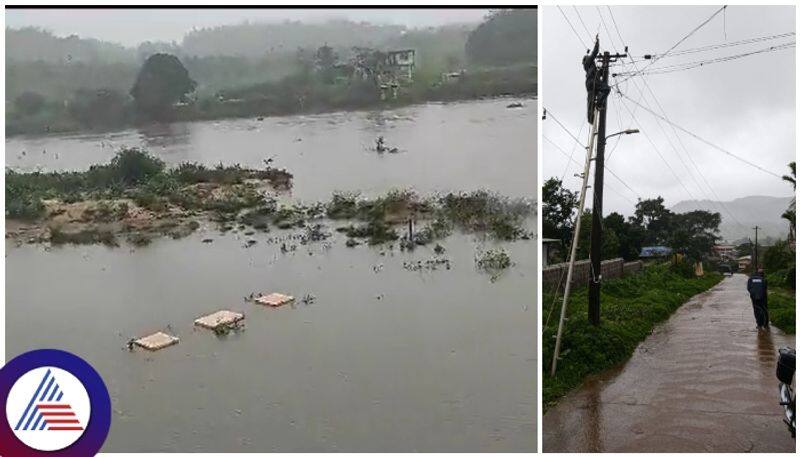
[[630, 309], [280, 99]]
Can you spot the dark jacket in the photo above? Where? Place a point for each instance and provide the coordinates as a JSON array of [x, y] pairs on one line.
[[592, 74], [757, 286]]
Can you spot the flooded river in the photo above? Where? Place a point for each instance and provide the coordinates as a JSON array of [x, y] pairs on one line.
[[442, 147], [384, 359]]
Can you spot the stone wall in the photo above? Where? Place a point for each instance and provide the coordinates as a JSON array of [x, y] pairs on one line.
[[556, 274]]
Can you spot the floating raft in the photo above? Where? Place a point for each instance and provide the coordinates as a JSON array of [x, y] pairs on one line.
[[156, 341], [274, 299], [219, 319]]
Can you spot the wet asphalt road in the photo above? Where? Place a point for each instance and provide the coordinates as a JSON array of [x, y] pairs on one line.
[[704, 381]]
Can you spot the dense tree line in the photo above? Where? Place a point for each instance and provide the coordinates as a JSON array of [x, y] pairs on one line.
[[506, 37], [692, 233]]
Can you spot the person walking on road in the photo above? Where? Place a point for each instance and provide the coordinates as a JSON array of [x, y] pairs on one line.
[[757, 286]]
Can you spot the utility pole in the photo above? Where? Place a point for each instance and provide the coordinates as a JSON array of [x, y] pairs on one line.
[[595, 254], [755, 251]]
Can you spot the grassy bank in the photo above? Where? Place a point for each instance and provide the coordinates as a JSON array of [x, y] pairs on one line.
[[138, 196], [782, 299], [292, 95], [631, 307]]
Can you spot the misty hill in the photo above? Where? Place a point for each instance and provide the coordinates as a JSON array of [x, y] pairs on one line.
[[60, 84], [749, 211], [220, 57]]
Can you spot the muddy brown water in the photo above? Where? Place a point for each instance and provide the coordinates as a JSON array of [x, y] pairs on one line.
[[442, 147], [384, 359], [704, 381]]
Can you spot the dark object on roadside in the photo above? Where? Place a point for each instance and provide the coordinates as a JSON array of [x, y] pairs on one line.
[[757, 286], [786, 365], [785, 374]]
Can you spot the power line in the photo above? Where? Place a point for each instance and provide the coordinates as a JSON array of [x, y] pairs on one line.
[[569, 132], [644, 132], [692, 32], [713, 47], [699, 63], [571, 151], [570, 159], [577, 35], [717, 199], [582, 23], [703, 140]]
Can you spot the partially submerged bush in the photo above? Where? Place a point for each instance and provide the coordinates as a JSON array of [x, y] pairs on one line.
[[23, 207], [134, 166], [343, 205], [493, 259]]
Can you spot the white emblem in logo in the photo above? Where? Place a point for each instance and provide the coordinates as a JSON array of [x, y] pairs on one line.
[[48, 409]]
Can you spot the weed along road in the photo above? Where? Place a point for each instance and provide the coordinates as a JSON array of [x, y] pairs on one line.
[[704, 381]]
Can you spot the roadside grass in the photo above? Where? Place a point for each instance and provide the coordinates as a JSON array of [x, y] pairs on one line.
[[782, 308], [631, 307], [782, 299]]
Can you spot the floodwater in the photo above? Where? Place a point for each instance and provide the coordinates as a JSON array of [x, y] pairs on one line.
[[442, 147], [704, 381], [384, 359]]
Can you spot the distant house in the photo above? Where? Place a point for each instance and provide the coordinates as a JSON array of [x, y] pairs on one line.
[[550, 247], [655, 252], [724, 251], [744, 262], [401, 63]]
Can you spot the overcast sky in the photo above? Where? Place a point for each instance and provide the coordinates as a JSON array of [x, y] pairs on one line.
[[132, 26], [746, 106]]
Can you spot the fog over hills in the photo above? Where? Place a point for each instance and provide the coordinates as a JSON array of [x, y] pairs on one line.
[[749, 211]]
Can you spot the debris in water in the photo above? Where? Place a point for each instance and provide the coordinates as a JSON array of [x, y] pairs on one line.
[[274, 299], [308, 299], [156, 341], [380, 146], [515, 105], [430, 264], [218, 319]]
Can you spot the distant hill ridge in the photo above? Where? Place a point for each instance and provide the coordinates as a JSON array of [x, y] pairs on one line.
[[761, 210]]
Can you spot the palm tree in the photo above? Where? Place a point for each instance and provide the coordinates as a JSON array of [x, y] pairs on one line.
[[789, 214], [791, 178]]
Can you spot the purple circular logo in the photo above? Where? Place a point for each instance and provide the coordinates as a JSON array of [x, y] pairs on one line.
[[55, 405]]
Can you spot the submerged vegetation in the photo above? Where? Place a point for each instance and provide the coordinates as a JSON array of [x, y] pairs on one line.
[[137, 196], [632, 306]]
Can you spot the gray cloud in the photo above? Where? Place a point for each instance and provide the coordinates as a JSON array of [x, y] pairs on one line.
[[746, 106]]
